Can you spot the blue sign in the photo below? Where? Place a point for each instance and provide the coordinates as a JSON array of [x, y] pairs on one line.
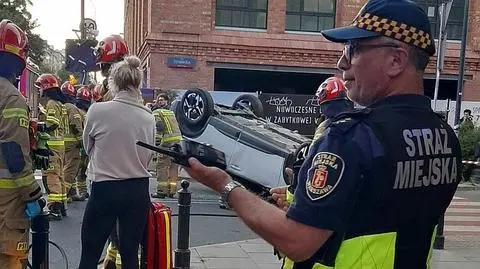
[[146, 92], [79, 56], [181, 62]]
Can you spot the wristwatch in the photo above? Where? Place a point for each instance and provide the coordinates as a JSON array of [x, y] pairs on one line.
[[228, 189]]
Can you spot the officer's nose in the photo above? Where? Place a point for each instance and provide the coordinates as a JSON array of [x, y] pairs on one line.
[[342, 63]]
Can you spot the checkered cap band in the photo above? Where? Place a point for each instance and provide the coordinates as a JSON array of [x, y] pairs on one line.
[[394, 29]]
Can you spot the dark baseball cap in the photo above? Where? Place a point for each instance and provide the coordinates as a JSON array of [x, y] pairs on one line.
[[403, 20]]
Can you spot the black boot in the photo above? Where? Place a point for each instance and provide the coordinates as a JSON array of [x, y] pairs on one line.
[[80, 198], [63, 209], [70, 194], [54, 211]]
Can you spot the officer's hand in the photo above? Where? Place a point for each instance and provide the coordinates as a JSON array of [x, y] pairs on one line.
[[279, 194], [213, 177], [289, 173]]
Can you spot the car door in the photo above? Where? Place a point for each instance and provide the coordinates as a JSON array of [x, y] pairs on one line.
[[254, 164]]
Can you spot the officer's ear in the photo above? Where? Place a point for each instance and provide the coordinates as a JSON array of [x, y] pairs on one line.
[[398, 61]]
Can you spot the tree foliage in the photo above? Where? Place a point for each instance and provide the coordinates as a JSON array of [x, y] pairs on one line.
[[17, 12]]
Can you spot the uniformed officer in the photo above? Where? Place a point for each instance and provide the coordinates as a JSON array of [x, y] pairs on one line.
[[167, 134], [18, 189], [373, 187], [73, 144], [56, 124]]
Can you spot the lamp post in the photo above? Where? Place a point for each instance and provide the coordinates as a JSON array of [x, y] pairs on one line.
[[444, 11], [458, 102]]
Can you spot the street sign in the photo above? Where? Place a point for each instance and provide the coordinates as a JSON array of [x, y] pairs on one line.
[[90, 26], [79, 56], [181, 62]]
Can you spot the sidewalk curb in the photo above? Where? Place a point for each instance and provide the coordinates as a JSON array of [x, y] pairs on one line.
[[234, 242]]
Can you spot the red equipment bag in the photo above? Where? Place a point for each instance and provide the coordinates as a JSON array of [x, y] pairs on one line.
[[158, 243]]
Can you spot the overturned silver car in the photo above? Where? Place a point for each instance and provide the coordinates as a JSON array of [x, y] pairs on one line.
[[257, 151]]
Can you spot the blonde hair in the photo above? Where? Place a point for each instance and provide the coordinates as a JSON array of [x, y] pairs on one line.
[[126, 75]]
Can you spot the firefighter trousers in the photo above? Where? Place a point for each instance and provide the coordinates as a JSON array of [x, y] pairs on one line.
[[82, 175], [14, 230], [167, 175], [55, 181], [72, 165]]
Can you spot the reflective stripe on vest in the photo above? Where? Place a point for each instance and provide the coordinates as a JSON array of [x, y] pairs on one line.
[[375, 251], [52, 120], [70, 139], [289, 197], [13, 183], [56, 143], [172, 139]]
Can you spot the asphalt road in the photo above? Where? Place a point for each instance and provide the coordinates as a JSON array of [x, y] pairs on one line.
[[203, 230]]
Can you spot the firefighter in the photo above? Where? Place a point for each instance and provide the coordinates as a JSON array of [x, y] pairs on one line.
[[83, 101], [110, 50], [56, 124], [19, 192], [96, 93], [73, 144], [168, 133]]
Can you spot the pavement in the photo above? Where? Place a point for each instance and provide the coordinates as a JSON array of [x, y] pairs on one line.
[[258, 254]]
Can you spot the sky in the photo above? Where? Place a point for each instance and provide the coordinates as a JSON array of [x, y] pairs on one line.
[[57, 18]]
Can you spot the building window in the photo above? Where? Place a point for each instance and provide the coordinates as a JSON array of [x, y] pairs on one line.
[[455, 18], [310, 15], [241, 13]]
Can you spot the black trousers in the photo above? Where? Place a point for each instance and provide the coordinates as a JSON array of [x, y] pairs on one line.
[[126, 201]]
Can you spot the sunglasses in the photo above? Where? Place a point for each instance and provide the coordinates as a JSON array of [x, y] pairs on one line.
[[352, 47]]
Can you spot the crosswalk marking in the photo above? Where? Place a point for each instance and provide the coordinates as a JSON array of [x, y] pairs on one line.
[[462, 218]]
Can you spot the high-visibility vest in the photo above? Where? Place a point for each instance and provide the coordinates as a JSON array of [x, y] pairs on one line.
[[56, 115], [171, 132]]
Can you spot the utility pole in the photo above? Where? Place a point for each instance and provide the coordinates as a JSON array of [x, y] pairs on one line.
[[444, 11], [82, 20], [458, 102]]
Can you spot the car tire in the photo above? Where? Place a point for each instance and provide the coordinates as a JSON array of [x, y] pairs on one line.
[[193, 111], [250, 101]]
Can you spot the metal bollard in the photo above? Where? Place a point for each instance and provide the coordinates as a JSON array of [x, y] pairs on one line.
[[182, 253], [40, 230], [439, 242]]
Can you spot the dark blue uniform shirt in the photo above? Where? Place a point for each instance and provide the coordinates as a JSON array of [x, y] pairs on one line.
[[393, 166], [353, 145]]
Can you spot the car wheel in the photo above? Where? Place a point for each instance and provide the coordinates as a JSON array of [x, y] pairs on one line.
[[193, 111], [251, 102]]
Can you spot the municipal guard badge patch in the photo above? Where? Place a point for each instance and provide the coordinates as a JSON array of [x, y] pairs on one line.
[[324, 175]]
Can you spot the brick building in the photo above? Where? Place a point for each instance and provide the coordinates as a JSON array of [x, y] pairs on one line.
[[269, 45]]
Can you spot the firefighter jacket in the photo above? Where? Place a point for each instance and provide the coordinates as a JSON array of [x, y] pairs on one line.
[[57, 122], [73, 132], [167, 127], [16, 172]]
